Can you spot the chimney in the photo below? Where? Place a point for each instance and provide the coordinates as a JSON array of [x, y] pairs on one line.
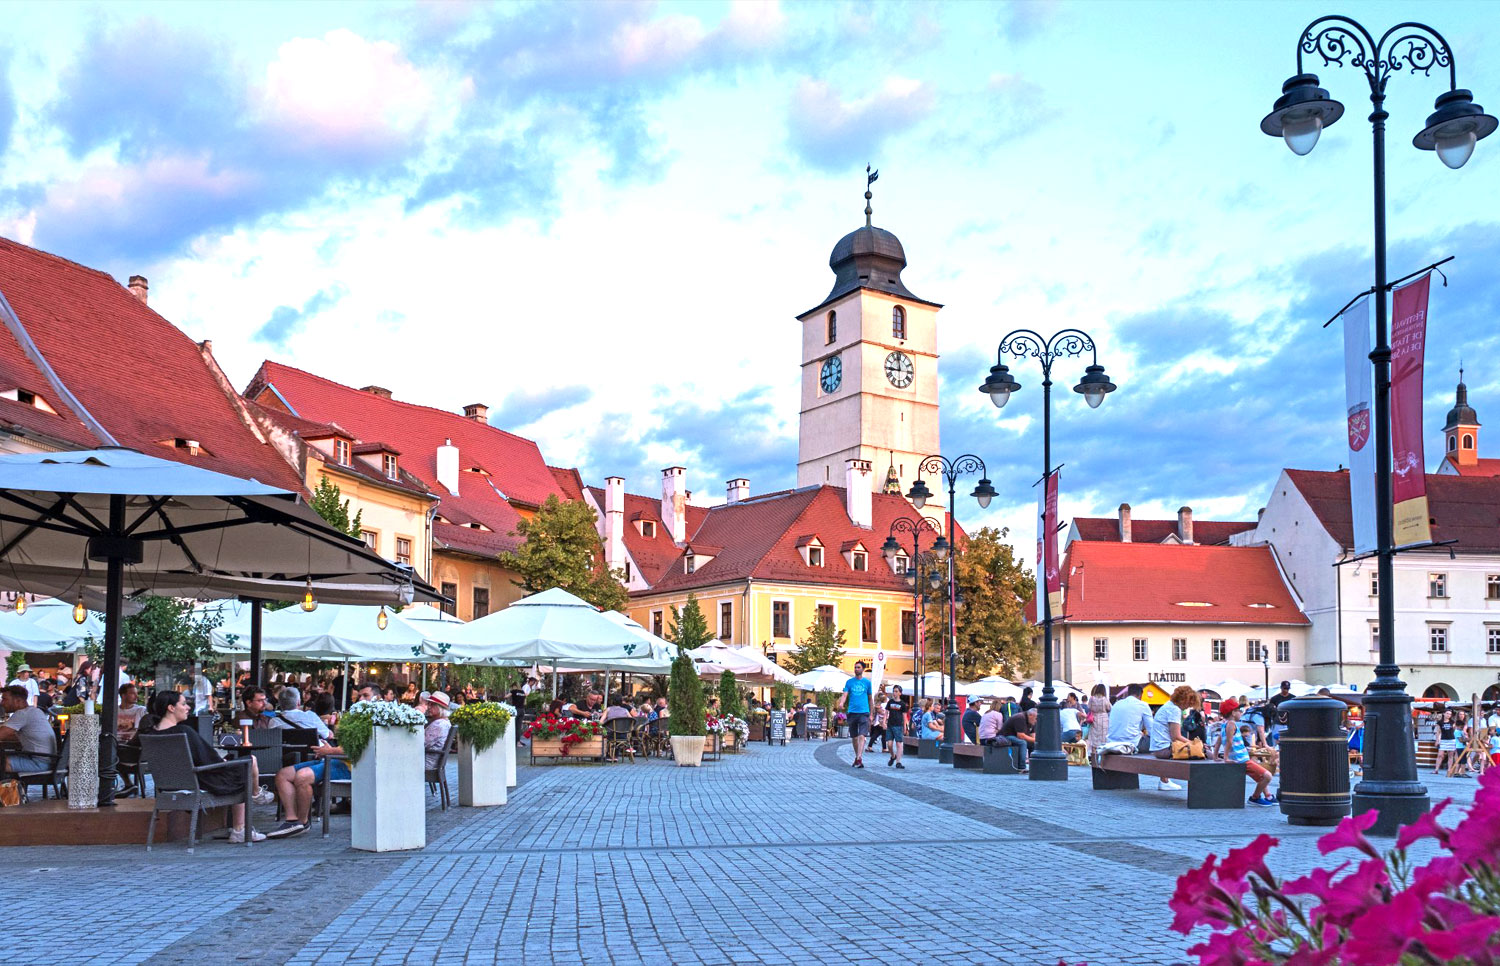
[[614, 521], [1185, 524], [139, 288], [447, 466], [739, 489], [1260, 513], [478, 412], [857, 492], [380, 391], [1124, 522], [674, 502]]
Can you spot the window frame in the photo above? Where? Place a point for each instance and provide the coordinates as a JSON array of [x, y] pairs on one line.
[[1437, 586], [1374, 583], [1255, 652], [831, 327], [657, 623], [1437, 639], [449, 589], [391, 466], [1218, 648], [474, 602], [781, 624], [898, 322], [370, 538], [814, 556], [341, 451], [726, 620], [859, 560], [908, 628], [1140, 648], [410, 547], [1101, 648], [832, 619], [1492, 586], [869, 625], [1179, 649], [1283, 652], [1492, 639]]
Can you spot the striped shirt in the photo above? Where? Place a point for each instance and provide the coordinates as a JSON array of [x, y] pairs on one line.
[[1237, 750]]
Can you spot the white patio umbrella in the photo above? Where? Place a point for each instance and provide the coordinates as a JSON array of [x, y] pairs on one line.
[[718, 658], [420, 614], [552, 627], [1059, 687], [333, 632], [825, 678], [1229, 688], [993, 686], [48, 627], [769, 668]]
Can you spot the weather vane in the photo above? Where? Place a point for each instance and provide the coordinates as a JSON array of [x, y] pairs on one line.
[[870, 178]]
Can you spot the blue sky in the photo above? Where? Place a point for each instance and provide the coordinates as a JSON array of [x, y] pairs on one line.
[[602, 219]]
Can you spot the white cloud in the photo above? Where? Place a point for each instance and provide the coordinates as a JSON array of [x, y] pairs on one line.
[[832, 132]]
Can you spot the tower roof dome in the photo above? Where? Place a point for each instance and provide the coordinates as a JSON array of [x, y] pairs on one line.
[[1462, 414], [868, 257]]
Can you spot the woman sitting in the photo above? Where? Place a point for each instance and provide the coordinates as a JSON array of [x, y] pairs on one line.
[[172, 711]]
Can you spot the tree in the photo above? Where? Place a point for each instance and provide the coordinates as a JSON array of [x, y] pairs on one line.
[[166, 632], [325, 502], [731, 701], [561, 548], [689, 629], [992, 632], [822, 645]]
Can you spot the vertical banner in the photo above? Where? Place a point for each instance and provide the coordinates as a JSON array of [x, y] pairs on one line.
[[1046, 543], [1408, 464], [1357, 397]]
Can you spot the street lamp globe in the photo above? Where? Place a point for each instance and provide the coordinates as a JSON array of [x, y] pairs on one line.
[[890, 548], [919, 494], [1455, 127], [1094, 386], [1301, 113], [934, 579], [999, 385], [940, 549], [984, 493]]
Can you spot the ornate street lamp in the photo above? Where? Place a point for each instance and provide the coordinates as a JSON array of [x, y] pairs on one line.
[[1390, 782], [965, 465], [891, 548], [1049, 762]]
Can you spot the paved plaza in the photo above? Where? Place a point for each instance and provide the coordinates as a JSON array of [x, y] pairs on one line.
[[778, 855]]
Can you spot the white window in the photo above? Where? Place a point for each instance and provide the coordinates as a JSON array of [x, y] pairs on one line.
[[1494, 640], [1374, 584], [392, 470], [403, 550], [371, 539], [1437, 638], [1220, 649], [1179, 649], [1374, 636], [815, 556], [902, 563], [648, 529], [1283, 652], [689, 563], [1101, 648], [1437, 585], [1139, 649], [858, 559], [341, 452], [898, 323], [1253, 653], [1492, 586]]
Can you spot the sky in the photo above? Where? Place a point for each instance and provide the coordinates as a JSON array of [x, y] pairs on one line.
[[602, 219]]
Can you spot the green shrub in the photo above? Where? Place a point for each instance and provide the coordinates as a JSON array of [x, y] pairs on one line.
[[730, 699]]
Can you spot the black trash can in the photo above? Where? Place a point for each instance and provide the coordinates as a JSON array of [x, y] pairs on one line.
[[1314, 761]]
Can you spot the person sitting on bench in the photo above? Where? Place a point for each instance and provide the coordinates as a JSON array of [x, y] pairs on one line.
[[1128, 720], [1019, 732], [1166, 727]]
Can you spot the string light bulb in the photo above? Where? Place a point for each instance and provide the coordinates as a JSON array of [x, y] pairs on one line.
[[80, 613], [20, 603], [381, 620], [309, 602]]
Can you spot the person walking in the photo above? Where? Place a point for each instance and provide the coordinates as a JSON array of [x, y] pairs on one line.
[[896, 710], [1099, 720], [1447, 740], [878, 722], [856, 697]]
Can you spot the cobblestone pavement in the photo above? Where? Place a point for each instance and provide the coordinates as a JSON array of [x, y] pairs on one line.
[[777, 856]]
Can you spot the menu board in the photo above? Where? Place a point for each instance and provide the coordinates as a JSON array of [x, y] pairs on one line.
[[814, 719], [778, 727]]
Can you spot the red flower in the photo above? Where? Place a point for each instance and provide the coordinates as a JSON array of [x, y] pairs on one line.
[[1380, 935], [1198, 899], [1438, 875], [1223, 949], [1318, 883], [1312, 956], [1425, 827], [1252, 858], [1476, 840], [1354, 893], [1351, 835], [1466, 940]]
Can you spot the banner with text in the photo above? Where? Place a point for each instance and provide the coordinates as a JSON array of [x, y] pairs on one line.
[[1357, 398], [1408, 464], [1046, 543]]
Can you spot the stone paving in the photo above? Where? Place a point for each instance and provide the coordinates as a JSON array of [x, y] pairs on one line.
[[777, 856]]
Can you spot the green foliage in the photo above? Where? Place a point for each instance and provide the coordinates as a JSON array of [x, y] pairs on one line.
[[562, 549], [495, 680], [992, 633], [827, 700], [325, 502], [481, 724], [784, 694], [354, 733], [731, 701], [166, 632], [822, 645], [689, 629]]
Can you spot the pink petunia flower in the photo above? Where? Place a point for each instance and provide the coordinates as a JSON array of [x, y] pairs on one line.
[[1425, 827], [1476, 840], [1438, 875], [1354, 893], [1223, 949], [1318, 883], [1466, 940], [1379, 936], [1197, 899], [1351, 835], [1252, 858]]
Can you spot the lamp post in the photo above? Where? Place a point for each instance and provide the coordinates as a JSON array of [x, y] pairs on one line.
[[1049, 762], [891, 548], [1390, 782], [919, 494]]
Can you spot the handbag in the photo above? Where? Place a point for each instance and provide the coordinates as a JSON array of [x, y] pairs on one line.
[[1184, 749], [10, 793]]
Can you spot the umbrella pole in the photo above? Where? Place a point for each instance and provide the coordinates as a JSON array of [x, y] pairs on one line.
[[114, 598], [256, 613], [345, 703]]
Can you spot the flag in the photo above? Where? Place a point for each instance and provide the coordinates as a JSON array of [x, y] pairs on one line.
[[1357, 416], [1408, 464], [1049, 577]]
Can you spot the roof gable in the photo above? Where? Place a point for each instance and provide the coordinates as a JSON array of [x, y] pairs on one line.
[[1462, 508]]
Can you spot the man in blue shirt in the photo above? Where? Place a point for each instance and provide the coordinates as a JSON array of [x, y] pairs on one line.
[[857, 696]]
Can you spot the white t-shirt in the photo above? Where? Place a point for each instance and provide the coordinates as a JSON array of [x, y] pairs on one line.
[[1127, 719], [32, 688], [1068, 718], [1167, 714]]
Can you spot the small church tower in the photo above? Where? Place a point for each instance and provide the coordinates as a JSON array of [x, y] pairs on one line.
[[1461, 431]]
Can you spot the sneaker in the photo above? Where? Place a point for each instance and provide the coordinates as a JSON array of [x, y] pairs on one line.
[[263, 796], [1264, 802], [1167, 785], [287, 829], [900, 766], [237, 836], [889, 762], [859, 764]]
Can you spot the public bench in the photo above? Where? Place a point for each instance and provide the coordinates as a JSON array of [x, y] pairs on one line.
[[1211, 784], [921, 747], [992, 759]]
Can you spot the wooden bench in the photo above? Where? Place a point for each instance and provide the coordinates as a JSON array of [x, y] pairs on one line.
[[1211, 784], [921, 747], [993, 759]]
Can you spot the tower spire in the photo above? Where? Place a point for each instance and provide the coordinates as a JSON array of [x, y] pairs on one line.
[[870, 178]]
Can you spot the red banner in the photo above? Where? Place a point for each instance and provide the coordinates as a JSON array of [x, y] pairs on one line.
[[1046, 553], [1408, 464]]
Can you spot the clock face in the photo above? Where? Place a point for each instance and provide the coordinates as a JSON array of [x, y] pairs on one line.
[[832, 375], [898, 369]]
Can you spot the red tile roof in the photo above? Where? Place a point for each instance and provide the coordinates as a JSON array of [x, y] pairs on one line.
[[140, 377], [1482, 467], [569, 481], [652, 555], [515, 469], [1207, 532], [1147, 582], [1462, 508]]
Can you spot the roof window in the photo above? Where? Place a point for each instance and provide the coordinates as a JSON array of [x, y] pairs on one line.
[[28, 398], [1193, 603]]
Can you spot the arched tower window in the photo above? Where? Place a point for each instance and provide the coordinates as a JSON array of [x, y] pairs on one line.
[[898, 323], [1452, 443], [1468, 442], [833, 327]]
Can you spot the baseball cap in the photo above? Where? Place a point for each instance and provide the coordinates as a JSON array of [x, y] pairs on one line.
[[1228, 707]]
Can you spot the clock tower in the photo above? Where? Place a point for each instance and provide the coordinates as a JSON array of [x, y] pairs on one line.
[[869, 367]]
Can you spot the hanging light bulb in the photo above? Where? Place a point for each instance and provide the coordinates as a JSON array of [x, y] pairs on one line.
[[20, 603], [380, 619], [80, 613], [309, 602]]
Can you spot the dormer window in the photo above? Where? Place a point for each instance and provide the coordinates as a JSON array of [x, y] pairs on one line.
[[689, 563], [902, 563], [815, 556], [858, 560], [648, 529], [341, 452], [392, 468], [28, 398], [189, 447]]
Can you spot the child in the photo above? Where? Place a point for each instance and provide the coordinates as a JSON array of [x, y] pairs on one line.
[[1238, 737]]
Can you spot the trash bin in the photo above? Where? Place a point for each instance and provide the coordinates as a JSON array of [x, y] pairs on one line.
[[1314, 762]]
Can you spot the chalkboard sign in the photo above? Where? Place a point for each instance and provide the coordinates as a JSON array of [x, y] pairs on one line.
[[814, 718], [778, 727]]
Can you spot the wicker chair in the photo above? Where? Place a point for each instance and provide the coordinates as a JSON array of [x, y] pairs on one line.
[[617, 735], [437, 775], [169, 762]]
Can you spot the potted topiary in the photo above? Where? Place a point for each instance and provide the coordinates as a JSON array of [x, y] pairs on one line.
[[383, 740], [686, 722], [483, 741]]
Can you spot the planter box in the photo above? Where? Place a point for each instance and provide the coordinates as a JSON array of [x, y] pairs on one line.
[[553, 748], [390, 807], [687, 750], [508, 744], [757, 730], [481, 774]]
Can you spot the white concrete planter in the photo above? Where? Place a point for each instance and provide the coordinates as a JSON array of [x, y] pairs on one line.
[[687, 750], [481, 774], [508, 743], [390, 807], [83, 761]]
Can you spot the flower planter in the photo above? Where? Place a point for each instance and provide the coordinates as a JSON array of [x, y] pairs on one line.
[[481, 774], [507, 745], [757, 730], [554, 748], [730, 741], [843, 731], [83, 761], [390, 808], [687, 750]]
